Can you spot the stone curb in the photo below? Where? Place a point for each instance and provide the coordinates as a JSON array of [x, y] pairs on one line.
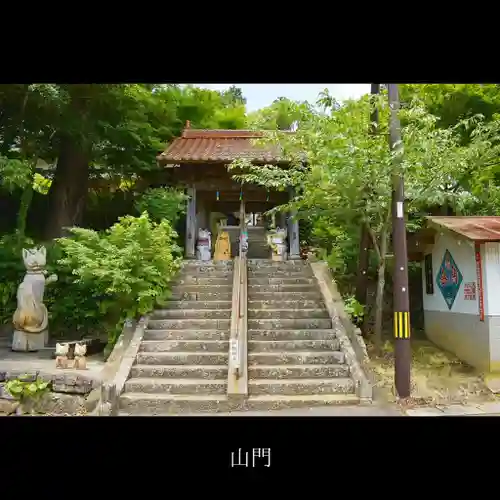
[[119, 372], [111, 366], [351, 342]]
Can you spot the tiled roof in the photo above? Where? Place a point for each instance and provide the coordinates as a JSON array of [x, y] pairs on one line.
[[474, 228], [218, 146]]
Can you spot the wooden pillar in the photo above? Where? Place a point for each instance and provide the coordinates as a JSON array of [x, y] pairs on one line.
[[293, 234], [191, 223]]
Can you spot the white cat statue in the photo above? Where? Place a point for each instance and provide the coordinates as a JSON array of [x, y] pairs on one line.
[[204, 245], [62, 355], [31, 319], [80, 359]]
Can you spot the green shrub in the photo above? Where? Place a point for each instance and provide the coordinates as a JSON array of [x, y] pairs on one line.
[[163, 203], [118, 274], [354, 309]]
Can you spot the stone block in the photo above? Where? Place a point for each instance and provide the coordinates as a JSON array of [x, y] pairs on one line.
[[8, 407]]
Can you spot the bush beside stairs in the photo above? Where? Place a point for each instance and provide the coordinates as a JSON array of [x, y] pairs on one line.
[[295, 358]]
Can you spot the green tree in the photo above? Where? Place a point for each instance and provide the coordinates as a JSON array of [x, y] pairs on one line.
[[280, 115], [343, 158], [233, 96], [91, 130]]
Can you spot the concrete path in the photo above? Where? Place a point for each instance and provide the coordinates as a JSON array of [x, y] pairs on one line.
[[324, 411], [471, 410], [43, 362]]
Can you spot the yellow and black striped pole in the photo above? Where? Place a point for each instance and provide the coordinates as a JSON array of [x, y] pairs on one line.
[[401, 325], [402, 348]]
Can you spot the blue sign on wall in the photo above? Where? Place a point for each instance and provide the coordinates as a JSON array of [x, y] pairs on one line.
[[448, 279]]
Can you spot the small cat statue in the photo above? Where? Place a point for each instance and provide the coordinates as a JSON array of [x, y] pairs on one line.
[[62, 355], [80, 359]]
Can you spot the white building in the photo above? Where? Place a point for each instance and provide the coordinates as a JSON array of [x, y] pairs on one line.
[[461, 287]]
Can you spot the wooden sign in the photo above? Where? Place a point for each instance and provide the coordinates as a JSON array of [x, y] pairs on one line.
[[470, 291]]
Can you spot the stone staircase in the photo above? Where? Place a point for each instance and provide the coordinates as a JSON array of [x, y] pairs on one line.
[[294, 357], [257, 242], [181, 366]]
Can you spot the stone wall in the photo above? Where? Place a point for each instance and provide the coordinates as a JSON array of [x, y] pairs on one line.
[[68, 393]]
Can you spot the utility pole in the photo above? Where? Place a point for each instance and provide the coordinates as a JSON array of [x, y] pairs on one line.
[[402, 350], [365, 241]]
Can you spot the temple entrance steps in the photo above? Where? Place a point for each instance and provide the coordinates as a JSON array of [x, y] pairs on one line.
[[294, 355], [182, 361]]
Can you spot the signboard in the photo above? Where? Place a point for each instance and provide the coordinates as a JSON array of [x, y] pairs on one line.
[[234, 350], [449, 279], [470, 291]]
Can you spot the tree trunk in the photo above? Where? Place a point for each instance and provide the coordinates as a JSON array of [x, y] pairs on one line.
[[68, 192], [362, 275], [26, 199], [365, 241], [379, 298]]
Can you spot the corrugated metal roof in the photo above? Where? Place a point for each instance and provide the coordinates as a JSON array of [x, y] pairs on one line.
[[477, 228], [218, 146]]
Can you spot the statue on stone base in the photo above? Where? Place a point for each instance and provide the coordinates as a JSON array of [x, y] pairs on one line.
[[31, 317]]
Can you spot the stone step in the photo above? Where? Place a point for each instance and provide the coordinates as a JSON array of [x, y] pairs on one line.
[[195, 280], [141, 404], [281, 281], [182, 358], [190, 276], [258, 253], [197, 304], [297, 371], [176, 386], [302, 386], [206, 272], [287, 313], [256, 263], [183, 289], [284, 304], [271, 273], [182, 334], [202, 296], [296, 358], [269, 402], [280, 288], [186, 324], [291, 335], [278, 296], [293, 345], [279, 324], [137, 403], [184, 346], [208, 372], [191, 314], [202, 266]]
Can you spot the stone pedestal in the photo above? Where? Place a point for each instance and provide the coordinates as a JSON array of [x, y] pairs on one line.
[[29, 342]]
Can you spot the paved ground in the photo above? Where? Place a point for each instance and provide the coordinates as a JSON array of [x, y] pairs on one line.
[[41, 361], [324, 411], [472, 410]]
